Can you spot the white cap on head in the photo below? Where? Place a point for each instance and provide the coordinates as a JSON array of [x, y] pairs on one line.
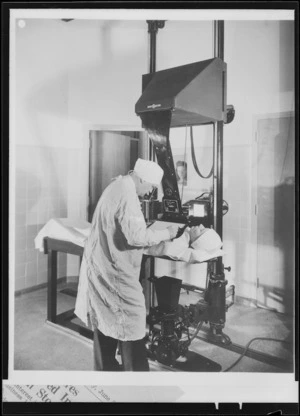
[[208, 241], [149, 171]]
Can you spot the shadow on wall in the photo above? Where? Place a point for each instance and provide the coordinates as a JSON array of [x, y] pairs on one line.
[[278, 296], [281, 240], [284, 235]]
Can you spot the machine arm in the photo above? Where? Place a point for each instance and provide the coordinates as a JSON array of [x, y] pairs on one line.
[[158, 127]]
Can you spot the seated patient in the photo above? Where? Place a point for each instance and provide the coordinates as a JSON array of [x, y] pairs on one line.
[[195, 245]]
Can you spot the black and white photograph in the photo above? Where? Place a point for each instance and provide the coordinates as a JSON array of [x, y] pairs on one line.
[[181, 170], [152, 221]]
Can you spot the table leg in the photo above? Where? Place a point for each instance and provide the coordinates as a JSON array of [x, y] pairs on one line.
[[52, 286], [152, 291]]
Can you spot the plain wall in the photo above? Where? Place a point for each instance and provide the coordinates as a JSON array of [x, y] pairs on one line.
[[67, 76], [260, 83], [70, 76]]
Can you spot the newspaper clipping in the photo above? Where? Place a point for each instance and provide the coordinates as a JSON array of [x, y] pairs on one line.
[[48, 394]]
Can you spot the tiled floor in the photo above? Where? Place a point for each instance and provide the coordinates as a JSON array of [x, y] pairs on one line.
[[41, 346]]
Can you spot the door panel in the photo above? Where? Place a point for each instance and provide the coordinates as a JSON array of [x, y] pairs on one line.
[[112, 153], [275, 217]]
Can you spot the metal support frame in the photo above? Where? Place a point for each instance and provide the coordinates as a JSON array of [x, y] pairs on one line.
[[52, 286], [53, 247], [216, 293], [218, 165], [217, 284], [153, 26]]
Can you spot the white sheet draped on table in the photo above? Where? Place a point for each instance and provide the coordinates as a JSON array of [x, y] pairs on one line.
[[75, 231]]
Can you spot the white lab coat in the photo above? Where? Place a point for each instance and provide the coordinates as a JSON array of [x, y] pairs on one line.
[[110, 296]]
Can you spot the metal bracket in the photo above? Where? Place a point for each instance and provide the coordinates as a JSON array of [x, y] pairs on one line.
[[218, 279], [154, 25], [230, 113]]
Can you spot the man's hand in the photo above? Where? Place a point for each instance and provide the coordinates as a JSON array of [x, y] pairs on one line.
[[173, 230]]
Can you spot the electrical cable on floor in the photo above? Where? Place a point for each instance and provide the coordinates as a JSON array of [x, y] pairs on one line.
[[248, 345]]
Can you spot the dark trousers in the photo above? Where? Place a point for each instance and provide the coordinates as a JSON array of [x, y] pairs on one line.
[[133, 354]]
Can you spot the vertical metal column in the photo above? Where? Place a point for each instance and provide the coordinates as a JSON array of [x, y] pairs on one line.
[[217, 283], [218, 168], [153, 26]]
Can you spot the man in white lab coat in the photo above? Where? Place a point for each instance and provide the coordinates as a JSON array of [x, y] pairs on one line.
[[110, 297]]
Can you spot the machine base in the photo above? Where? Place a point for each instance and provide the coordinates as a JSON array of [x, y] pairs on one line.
[[195, 363], [216, 335]]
